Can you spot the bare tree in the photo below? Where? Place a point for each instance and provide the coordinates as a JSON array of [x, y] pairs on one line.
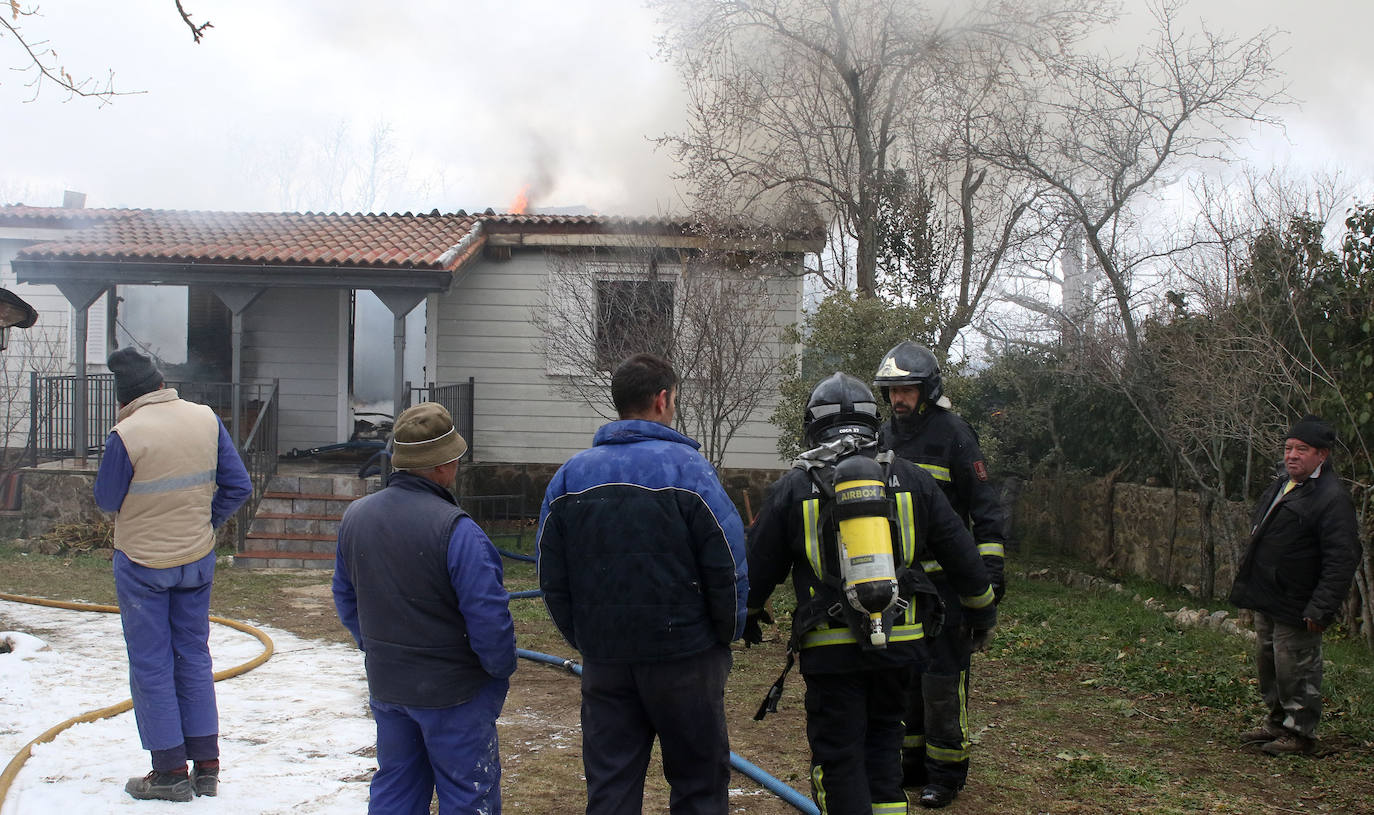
[[1104, 134], [41, 62], [813, 103], [717, 317]]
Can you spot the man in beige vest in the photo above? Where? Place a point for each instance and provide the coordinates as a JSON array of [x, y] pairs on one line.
[[171, 475]]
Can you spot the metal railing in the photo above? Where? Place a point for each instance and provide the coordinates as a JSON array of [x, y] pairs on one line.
[[259, 450], [52, 408], [456, 398]]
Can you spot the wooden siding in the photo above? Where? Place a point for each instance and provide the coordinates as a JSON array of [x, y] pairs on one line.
[[41, 348], [483, 327], [293, 335]]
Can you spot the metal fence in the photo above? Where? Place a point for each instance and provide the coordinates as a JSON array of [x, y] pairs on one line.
[[456, 398], [259, 450], [52, 409]]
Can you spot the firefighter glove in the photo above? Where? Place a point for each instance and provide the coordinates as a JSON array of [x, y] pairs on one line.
[[977, 638], [753, 630]]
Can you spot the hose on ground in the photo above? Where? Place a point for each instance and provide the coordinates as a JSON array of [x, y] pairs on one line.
[[11, 770], [738, 763]]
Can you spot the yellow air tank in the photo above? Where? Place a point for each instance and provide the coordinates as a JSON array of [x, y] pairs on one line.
[[866, 564]]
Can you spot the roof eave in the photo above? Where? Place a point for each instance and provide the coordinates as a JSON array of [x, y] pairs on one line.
[[182, 273]]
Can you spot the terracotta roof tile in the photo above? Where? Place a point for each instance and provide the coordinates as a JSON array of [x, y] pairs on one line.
[[272, 238]]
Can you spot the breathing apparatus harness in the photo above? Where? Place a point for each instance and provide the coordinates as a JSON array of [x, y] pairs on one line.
[[861, 561]]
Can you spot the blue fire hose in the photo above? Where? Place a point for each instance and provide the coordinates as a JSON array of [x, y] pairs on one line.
[[768, 782]]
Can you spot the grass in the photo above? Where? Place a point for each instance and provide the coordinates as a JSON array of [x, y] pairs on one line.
[[1087, 702]]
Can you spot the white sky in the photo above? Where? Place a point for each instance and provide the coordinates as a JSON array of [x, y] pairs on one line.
[[480, 97]]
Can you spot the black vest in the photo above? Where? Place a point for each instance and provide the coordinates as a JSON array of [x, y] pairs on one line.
[[395, 546]]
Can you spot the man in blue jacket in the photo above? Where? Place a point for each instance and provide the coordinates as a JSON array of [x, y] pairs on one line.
[[641, 560], [419, 586]]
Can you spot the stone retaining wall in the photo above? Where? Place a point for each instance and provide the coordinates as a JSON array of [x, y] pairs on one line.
[[1152, 532]]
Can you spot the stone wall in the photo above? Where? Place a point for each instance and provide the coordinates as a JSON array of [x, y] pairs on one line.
[[54, 496], [746, 487], [1151, 532]]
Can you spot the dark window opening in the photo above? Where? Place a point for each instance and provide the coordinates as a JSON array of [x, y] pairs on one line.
[[632, 316]]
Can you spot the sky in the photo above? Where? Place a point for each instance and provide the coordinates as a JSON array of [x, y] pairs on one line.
[[277, 107]]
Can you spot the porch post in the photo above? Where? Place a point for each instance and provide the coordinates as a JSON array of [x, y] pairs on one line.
[[82, 296], [238, 299], [400, 303]]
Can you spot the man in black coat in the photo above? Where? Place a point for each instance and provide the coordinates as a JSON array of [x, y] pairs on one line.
[[1303, 549]]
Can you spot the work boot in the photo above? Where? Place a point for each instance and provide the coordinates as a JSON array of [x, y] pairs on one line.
[[1262, 734], [205, 778], [1289, 744], [161, 786], [935, 796]]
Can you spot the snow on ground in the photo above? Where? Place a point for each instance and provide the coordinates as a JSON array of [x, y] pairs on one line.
[[293, 732]]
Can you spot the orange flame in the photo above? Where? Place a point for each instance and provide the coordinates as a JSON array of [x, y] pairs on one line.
[[521, 204]]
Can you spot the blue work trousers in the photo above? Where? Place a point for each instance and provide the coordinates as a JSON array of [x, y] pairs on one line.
[[449, 749], [166, 619]]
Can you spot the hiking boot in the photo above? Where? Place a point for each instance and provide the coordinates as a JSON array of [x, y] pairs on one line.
[[160, 786], [205, 778], [1289, 744], [1260, 734]]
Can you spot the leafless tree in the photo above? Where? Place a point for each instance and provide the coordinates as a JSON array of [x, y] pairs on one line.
[[716, 316], [814, 103], [1105, 134], [40, 60]]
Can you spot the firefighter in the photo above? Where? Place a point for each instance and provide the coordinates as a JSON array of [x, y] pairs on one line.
[[922, 430], [852, 527]]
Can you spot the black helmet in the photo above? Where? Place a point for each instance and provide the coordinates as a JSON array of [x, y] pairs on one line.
[[910, 364], [841, 405]]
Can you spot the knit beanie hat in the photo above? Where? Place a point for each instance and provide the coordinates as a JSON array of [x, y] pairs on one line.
[[424, 437], [1312, 430], [134, 374]]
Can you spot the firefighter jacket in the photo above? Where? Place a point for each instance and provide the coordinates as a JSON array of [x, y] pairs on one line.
[[942, 444], [1302, 552], [795, 532]]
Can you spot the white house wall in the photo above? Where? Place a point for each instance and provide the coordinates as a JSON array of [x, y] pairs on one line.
[[293, 335], [483, 329], [42, 348]]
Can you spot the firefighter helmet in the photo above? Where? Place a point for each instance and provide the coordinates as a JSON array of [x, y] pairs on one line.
[[910, 364], [841, 405]]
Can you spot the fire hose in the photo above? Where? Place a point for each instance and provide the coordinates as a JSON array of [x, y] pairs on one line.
[[773, 785], [12, 769]]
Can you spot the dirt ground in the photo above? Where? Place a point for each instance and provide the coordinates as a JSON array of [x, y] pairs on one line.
[[1045, 741]]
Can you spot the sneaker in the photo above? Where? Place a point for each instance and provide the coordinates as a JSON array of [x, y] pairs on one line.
[[160, 786], [205, 779], [1260, 734], [1289, 744]]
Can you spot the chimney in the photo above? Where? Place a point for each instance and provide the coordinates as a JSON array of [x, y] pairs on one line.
[[73, 200]]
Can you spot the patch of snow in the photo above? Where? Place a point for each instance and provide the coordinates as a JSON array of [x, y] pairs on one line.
[[295, 734]]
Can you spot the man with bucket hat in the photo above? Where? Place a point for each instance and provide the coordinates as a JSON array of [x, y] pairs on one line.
[[1301, 556], [419, 586]]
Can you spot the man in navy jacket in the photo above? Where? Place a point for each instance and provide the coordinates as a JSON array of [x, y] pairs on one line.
[[641, 560]]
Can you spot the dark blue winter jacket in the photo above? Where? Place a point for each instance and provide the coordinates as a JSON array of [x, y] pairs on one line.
[[641, 553]]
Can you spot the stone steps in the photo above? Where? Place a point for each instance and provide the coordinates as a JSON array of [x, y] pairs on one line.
[[297, 523]]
